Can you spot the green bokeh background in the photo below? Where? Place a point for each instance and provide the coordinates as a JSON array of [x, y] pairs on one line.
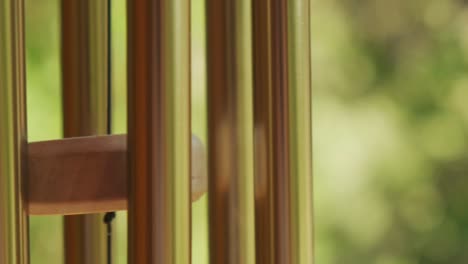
[[390, 124], [390, 112]]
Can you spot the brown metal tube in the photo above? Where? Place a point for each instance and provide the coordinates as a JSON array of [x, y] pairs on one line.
[[271, 133], [84, 84], [283, 184], [230, 128], [159, 206], [14, 244]]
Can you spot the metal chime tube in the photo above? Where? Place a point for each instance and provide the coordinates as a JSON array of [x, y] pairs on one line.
[[230, 130], [159, 209], [300, 130], [14, 247], [283, 145], [85, 74]]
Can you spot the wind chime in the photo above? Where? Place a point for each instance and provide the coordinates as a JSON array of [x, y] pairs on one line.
[[259, 149]]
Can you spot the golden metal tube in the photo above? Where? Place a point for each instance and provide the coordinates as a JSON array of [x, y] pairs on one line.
[[283, 148], [159, 131], [230, 127], [85, 72], [300, 131], [14, 244]]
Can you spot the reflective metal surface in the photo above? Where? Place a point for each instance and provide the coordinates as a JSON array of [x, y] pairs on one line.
[[159, 214], [283, 148], [13, 139], [230, 131], [300, 131], [85, 108]]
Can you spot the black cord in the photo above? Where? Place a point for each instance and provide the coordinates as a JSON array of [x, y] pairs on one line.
[[109, 67], [108, 217]]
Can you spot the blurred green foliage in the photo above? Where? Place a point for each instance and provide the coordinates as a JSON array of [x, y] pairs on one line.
[[390, 111], [390, 117]]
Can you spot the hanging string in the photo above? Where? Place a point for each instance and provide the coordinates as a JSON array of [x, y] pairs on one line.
[[109, 67], [108, 217]]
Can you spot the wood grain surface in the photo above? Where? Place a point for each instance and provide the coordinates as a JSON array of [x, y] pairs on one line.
[[89, 175]]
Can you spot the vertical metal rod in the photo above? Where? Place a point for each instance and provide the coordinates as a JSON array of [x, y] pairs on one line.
[[159, 209], [300, 131], [14, 244], [283, 148], [230, 131], [85, 73], [265, 221]]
